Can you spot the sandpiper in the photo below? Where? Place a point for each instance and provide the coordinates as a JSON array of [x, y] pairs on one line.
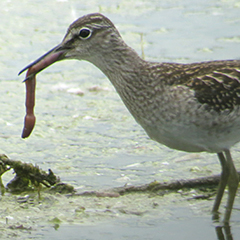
[[189, 107]]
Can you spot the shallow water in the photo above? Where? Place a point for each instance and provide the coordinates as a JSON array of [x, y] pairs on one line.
[[142, 229], [91, 141]]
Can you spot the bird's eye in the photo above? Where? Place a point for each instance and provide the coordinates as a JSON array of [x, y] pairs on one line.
[[85, 33]]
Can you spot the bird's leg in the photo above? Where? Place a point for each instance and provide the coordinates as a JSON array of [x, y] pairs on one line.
[[233, 181], [222, 184], [224, 232]]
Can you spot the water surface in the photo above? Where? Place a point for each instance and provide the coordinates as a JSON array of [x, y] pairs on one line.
[[90, 140]]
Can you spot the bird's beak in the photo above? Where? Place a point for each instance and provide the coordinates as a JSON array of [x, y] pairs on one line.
[[52, 56]]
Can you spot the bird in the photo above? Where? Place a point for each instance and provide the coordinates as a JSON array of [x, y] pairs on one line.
[[191, 107]]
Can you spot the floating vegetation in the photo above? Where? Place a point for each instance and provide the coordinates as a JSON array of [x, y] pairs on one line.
[[27, 176]]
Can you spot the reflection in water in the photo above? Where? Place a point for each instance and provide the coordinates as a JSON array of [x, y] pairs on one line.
[[224, 233]]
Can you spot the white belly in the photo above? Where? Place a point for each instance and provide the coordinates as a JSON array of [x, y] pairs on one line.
[[196, 136]]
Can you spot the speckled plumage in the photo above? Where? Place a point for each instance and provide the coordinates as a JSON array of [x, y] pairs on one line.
[[190, 107]]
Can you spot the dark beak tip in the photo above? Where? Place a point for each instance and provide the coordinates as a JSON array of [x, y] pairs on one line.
[[44, 61], [23, 70]]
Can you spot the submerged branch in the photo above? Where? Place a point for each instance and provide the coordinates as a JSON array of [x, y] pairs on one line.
[[28, 176], [156, 187]]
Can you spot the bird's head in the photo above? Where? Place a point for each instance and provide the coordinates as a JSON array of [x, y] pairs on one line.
[[87, 38]]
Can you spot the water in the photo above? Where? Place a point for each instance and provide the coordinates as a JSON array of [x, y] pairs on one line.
[[91, 141]]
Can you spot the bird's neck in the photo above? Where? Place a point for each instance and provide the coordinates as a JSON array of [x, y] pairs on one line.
[[127, 72], [121, 65]]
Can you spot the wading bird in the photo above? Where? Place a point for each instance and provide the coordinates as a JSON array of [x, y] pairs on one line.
[[189, 107]]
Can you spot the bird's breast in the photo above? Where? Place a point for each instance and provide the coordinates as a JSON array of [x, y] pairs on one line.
[[174, 117]]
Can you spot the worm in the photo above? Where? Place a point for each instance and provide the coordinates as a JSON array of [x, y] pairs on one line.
[[30, 81], [30, 119]]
